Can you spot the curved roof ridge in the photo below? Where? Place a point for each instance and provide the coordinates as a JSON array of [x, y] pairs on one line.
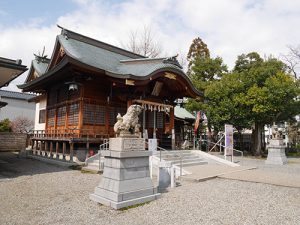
[[71, 34], [141, 60]]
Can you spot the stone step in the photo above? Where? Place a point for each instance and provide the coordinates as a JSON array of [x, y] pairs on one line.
[[173, 155], [191, 163], [187, 161], [183, 157], [94, 164], [90, 169], [174, 151]]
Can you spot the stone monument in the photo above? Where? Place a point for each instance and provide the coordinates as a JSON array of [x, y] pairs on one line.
[[126, 178], [276, 148]]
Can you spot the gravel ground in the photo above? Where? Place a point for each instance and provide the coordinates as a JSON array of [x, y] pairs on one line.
[[37, 193]]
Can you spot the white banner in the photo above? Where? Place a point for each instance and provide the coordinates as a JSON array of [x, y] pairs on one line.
[[228, 140]]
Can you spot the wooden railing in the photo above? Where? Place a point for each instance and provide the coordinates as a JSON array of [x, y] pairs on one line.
[[68, 133]]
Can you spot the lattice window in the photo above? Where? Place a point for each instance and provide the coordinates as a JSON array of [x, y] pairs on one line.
[[73, 115], [93, 114], [160, 119], [113, 112], [42, 116], [99, 114], [112, 116], [61, 116], [150, 119], [51, 115], [88, 113]]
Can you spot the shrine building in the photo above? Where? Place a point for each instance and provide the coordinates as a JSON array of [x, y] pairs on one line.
[[86, 83]]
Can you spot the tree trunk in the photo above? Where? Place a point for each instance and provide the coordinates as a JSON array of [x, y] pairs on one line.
[[241, 140], [257, 142], [209, 137]]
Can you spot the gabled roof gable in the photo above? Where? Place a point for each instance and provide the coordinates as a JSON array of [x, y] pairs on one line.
[[37, 68]]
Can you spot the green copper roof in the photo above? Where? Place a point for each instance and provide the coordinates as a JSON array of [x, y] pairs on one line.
[[40, 67], [110, 61], [182, 113], [113, 61]]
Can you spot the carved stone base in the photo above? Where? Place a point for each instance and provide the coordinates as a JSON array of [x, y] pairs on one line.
[[276, 153], [126, 179]]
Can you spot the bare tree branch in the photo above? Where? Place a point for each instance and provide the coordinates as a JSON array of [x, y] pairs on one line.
[[292, 60], [22, 125], [143, 42]]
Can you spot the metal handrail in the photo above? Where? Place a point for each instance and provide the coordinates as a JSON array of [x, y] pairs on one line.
[[158, 147], [242, 153], [102, 147], [216, 143]]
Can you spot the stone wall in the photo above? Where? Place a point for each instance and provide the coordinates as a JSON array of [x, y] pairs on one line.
[[10, 142]]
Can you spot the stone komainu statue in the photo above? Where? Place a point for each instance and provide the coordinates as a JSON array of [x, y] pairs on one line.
[[276, 132], [129, 123]]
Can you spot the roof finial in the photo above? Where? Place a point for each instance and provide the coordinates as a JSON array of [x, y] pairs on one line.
[[64, 32], [41, 57], [173, 60]]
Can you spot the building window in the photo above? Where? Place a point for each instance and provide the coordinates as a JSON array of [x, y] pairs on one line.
[[61, 116], [42, 116], [113, 112], [51, 115], [73, 115], [160, 119], [93, 114]]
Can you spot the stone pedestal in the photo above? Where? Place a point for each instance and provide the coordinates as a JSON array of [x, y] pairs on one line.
[[276, 152], [126, 179]]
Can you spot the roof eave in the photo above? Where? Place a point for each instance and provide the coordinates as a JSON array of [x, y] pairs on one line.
[[27, 86]]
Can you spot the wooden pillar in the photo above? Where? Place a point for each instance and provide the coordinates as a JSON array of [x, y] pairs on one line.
[[71, 151], [51, 149], [154, 124], [46, 148], [42, 147], [64, 151], [172, 120], [107, 119], [129, 103], [32, 146], [80, 117], [87, 149], [56, 150], [144, 123]]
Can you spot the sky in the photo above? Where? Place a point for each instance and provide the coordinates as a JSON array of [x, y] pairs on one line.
[[228, 27]]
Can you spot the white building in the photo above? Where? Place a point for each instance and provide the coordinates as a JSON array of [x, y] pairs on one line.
[[17, 105]]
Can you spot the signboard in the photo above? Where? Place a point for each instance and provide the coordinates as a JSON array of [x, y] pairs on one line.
[[228, 140], [152, 145]]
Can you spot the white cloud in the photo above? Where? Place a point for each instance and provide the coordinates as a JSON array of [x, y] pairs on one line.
[[229, 27]]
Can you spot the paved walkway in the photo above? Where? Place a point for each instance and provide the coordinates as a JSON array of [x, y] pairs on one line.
[[206, 172], [266, 177], [253, 170]]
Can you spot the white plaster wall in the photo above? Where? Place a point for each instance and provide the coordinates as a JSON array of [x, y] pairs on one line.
[[38, 106], [16, 108]]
